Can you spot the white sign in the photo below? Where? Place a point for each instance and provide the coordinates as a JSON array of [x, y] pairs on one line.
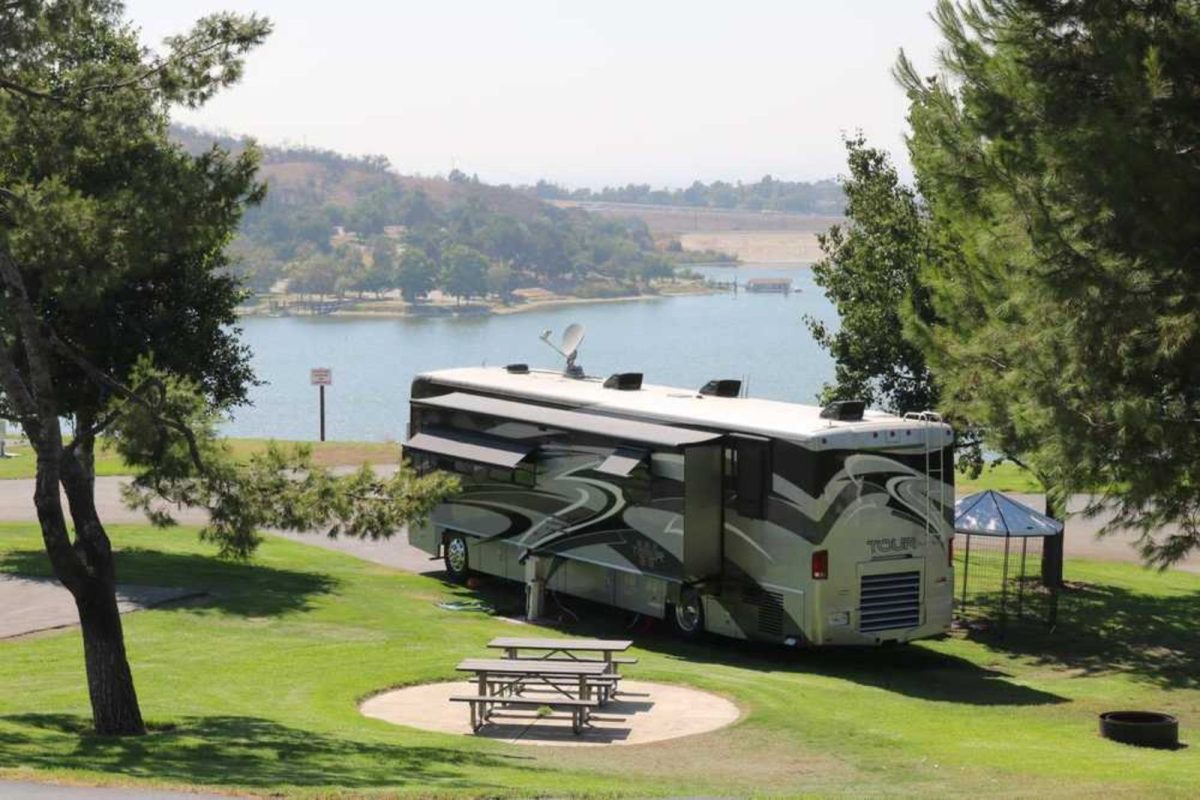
[[320, 376]]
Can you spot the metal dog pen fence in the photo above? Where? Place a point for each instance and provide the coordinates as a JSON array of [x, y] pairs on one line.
[[999, 578]]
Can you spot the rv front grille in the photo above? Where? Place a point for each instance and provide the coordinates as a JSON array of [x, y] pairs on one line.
[[770, 610], [887, 602]]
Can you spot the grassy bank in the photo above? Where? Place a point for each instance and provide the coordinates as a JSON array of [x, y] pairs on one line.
[[329, 454], [1003, 477], [256, 689]]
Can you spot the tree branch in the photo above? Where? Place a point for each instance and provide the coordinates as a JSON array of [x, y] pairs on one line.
[[92, 430], [13, 86], [105, 380], [41, 392], [15, 389]]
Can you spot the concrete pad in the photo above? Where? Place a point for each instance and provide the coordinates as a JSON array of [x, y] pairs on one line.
[[29, 605], [641, 712], [27, 790]]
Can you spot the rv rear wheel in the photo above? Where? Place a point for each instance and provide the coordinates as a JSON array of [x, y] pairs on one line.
[[687, 616], [456, 558]]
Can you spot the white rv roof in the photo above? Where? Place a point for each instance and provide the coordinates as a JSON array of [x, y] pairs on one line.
[[688, 407]]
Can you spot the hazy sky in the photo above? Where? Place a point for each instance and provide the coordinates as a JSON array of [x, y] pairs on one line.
[[581, 93]]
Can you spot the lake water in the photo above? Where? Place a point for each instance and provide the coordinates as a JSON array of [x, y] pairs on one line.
[[681, 341]]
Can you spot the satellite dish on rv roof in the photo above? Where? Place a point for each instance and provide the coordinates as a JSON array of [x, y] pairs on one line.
[[571, 339]]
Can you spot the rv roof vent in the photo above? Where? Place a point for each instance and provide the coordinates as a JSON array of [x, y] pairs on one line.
[[518, 369], [844, 410], [725, 387], [624, 381]]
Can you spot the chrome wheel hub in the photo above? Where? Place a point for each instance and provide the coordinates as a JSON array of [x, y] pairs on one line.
[[456, 554], [687, 613]]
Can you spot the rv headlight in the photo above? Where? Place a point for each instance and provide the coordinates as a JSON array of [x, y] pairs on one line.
[[841, 618]]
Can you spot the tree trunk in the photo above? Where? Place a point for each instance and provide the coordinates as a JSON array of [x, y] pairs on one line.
[[83, 565], [1052, 547], [115, 710]]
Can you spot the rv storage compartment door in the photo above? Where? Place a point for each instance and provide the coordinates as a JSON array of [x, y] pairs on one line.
[[702, 512]]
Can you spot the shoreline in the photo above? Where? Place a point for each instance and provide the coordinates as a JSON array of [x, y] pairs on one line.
[[437, 311], [394, 309]]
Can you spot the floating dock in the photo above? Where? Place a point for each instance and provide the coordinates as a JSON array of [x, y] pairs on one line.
[[769, 285]]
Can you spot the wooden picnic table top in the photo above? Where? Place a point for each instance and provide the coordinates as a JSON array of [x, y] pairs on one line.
[[602, 645], [531, 666]]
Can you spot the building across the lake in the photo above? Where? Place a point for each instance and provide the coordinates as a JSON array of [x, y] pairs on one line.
[[769, 285]]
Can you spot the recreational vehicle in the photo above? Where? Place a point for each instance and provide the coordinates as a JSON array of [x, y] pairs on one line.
[[738, 516]]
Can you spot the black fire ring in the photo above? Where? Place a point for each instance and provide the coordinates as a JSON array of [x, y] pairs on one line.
[[1140, 728]]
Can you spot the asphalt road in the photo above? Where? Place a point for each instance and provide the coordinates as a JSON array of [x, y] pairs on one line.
[[16, 505]]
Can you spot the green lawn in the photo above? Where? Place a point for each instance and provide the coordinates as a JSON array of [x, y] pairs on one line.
[[1003, 477], [328, 454], [256, 689]]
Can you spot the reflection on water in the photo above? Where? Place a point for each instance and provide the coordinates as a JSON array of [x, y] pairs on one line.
[[683, 341]]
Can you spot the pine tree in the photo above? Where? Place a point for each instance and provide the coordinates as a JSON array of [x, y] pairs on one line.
[[1057, 152]]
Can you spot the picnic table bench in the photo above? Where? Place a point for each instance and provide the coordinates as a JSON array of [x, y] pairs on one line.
[[502, 682], [566, 649]]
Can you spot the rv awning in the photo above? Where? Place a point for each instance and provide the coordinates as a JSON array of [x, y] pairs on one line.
[[469, 448], [622, 462], [616, 427]]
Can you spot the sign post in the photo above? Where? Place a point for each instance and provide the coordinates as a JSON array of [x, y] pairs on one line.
[[321, 377]]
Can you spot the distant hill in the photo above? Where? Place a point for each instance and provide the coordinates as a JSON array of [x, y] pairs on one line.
[[296, 171], [333, 223]]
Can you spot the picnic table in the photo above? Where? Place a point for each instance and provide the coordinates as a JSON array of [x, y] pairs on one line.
[[502, 682], [565, 650]]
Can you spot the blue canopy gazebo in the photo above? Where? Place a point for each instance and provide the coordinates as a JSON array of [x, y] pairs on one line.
[[993, 514]]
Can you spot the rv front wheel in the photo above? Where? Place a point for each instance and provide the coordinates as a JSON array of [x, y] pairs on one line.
[[688, 614], [455, 556]]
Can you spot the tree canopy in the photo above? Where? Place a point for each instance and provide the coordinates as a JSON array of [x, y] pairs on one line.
[[538, 243], [117, 306], [1057, 152], [765, 194], [870, 273]]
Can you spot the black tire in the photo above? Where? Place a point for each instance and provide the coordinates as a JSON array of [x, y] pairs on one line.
[[1141, 728], [456, 557], [686, 616]]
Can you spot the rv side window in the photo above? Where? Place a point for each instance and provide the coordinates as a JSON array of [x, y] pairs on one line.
[[521, 475], [752, 480]]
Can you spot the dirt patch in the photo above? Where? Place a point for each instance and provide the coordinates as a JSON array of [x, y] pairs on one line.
[[640, 713], [758, 247], [689, 219]]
